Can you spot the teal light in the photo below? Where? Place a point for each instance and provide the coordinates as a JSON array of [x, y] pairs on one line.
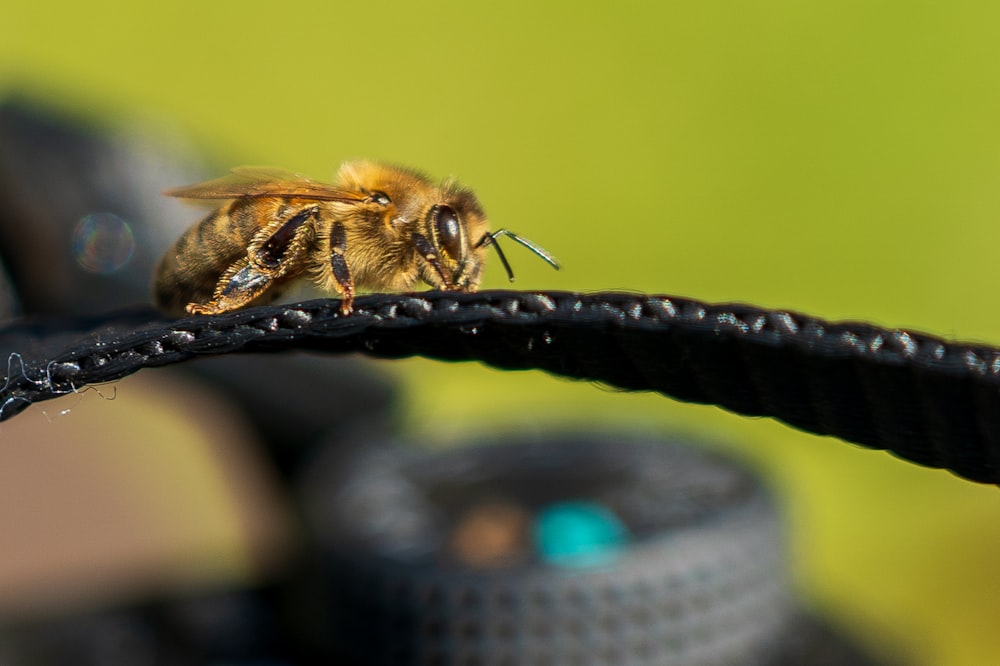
[[579, 534]]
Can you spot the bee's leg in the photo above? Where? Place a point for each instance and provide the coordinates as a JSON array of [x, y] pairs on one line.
[[270, 256], [426, 250], [241, 284], [341, 271]]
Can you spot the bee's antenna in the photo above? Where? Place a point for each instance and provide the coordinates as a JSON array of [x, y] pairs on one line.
[[490, 238]]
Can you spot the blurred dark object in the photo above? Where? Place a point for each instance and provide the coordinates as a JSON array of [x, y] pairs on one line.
[[701, 577], [82, 221], [295, 400], [10, 306], [233, 627]]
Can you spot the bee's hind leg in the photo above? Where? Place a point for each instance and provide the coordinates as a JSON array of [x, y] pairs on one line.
[[239, 286], [271, 256]]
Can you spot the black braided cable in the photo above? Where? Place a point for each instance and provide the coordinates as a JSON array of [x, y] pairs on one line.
[[933, 402]]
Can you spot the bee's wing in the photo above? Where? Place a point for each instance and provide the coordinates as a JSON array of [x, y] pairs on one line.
[[255, 182]]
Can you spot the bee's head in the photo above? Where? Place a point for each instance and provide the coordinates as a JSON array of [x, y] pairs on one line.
[[453, 228], [443, 224]]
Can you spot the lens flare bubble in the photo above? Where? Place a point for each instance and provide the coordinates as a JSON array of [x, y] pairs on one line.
[[103, 243]]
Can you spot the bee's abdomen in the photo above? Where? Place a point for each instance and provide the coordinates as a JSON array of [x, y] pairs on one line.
[[190, 270]]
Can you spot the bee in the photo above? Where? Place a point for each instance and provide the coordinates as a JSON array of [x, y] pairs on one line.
[[378, 228]]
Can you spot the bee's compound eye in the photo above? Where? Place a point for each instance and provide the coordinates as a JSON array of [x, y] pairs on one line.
[[449, 231], [381, 198]]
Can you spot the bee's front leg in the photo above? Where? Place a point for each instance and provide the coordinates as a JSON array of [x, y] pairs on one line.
[[272, 254], [427, 251]]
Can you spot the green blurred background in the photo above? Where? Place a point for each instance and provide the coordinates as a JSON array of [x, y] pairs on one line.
[[841, 159]]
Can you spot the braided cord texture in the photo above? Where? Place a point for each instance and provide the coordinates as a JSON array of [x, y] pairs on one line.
[[930, 401]]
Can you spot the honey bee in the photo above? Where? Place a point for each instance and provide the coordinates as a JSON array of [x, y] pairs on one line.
[[377, 228]]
